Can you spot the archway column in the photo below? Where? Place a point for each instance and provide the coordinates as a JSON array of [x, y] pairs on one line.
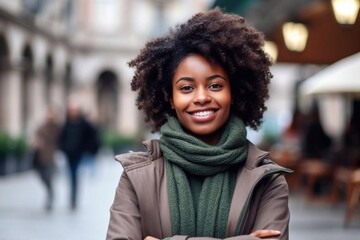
[[88, 100], [57, 91], [13, 96], [38, 99], [127, 121]]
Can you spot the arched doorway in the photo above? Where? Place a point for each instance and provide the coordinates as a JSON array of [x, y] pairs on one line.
[[4, 65], [67, 80], [107, 95], [48, 79], [26, 90]]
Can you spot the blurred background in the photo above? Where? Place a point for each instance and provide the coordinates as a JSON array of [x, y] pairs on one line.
[[57, 53]]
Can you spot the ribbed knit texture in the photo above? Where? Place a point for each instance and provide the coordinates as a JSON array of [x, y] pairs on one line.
[[185, 153]]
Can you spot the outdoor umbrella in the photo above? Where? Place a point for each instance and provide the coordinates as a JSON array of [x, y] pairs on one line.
[[335, 86], [342, 77]]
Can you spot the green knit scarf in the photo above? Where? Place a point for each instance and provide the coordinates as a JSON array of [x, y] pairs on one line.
[[185, 154]]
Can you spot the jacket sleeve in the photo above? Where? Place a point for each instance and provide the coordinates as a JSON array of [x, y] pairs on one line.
[[273, 209], [125, 222], [243, 237]]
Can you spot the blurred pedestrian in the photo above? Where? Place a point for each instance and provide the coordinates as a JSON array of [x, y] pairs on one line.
[[315, 142], [74, 138], [44, 146]]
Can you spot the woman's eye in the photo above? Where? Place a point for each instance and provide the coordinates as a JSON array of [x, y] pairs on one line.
[[215, 86], [186, 88]]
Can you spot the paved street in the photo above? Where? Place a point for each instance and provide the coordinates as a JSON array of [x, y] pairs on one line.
[[22, 216]]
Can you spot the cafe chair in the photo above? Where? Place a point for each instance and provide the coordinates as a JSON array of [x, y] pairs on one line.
[[353, 199], [315, 171]]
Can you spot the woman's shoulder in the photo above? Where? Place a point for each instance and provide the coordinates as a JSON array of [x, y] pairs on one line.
[[135, 160]]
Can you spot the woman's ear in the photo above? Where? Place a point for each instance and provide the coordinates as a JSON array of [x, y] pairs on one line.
[[172, 104]]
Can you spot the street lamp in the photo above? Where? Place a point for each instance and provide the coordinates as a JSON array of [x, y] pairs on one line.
[[345, 11], [295, 36]]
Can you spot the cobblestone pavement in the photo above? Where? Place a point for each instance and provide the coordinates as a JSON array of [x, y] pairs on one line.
[[23, 217]]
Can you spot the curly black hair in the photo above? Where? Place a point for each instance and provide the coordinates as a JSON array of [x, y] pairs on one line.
[[224, 39]]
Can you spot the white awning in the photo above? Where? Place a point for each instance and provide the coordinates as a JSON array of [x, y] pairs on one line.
[[342, 77]]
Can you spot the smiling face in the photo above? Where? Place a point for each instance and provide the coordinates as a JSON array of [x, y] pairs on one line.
[[201, 97]]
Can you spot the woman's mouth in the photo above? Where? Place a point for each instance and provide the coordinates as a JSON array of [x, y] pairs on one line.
[[203, 113]]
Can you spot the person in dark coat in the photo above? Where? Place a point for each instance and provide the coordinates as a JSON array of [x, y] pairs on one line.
[[74, 139]]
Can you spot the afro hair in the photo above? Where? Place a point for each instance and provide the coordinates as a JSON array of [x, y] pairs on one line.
[[222, 38]]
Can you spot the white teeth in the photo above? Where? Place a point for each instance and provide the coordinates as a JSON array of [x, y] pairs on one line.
[[203, 114]]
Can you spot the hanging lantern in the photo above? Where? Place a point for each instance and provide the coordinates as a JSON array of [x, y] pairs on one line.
[[271, 49], [345, 11], [295, 36]]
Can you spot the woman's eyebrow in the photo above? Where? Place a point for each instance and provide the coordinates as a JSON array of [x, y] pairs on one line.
[[185, 79], [215, 76], [207, 79]]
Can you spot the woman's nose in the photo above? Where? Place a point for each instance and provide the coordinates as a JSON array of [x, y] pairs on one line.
[[202, 96]]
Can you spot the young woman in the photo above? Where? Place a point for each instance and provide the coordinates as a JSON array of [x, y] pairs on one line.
[[201, 85]]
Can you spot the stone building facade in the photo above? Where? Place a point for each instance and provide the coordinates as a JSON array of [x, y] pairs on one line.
[[52, 51]]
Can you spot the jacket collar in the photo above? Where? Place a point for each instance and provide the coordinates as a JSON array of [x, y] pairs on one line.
[[255, 156], [153, 148]]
